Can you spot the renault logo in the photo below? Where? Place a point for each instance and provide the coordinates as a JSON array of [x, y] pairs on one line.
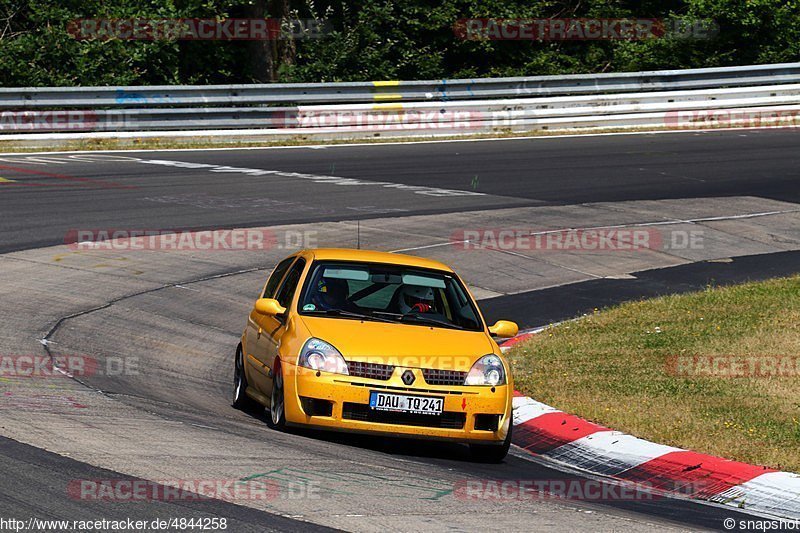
[[408, 377]]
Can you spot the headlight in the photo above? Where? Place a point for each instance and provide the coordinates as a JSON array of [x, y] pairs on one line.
[[488, 370], [319, 355]]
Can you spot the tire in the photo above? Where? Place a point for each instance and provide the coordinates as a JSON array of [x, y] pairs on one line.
[[241, 400], [492, 453], [277, 404]]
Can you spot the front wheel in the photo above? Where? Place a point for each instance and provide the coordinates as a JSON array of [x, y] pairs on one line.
[[492, 453], [277, 405], [240, 398]]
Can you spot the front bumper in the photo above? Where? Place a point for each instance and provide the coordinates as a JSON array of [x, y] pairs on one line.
[[466, 409]]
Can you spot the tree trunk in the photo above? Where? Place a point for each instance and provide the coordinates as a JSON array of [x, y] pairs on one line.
[[267, 56]]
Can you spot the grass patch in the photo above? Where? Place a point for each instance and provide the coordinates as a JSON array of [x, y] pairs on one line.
[[617, 367], [182, 143]]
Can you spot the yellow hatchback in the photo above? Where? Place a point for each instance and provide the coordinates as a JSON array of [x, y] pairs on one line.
[[380, 343]]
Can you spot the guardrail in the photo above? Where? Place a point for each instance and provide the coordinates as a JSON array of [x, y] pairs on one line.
[[619, 100]]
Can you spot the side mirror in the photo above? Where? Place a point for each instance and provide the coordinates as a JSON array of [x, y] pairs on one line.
[[504, 328], [269, 306]]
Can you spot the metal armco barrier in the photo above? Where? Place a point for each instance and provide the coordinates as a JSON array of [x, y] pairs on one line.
[[675, 98]]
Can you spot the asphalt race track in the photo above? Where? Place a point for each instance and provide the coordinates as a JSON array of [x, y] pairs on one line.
[[509, 173], [177, 315]]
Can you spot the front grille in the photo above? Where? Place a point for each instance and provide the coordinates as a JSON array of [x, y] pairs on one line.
[[362, 412], [361, 369], [434, 376], [403, 389]]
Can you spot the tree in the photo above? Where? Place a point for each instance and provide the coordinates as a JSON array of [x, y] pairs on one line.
[[376, 39]]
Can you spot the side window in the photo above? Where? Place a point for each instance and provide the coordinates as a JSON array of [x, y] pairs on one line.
[[286, 292], [276, 277]]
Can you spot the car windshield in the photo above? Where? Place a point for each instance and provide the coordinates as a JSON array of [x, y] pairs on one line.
[[394, 293]]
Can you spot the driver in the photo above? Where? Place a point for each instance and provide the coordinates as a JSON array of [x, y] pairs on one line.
[[331, 293], [415, 299]]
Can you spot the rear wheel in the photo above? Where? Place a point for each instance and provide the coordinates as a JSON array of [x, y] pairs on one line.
[[277, 405], [240, 398], [492, 453]]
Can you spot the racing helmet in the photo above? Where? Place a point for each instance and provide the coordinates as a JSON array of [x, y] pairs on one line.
[[331, 293], [415, 298]]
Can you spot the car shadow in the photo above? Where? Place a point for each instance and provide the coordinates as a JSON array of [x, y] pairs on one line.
[[400, 445], [391, 445]]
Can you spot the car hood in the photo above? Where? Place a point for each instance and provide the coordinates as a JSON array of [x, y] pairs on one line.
[[407, 345]]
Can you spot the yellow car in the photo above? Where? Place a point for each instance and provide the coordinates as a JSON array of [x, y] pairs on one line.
[[379, 343]]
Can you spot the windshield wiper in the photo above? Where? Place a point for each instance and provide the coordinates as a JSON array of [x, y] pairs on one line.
[[351, 314], [422, 319], [398, 316]]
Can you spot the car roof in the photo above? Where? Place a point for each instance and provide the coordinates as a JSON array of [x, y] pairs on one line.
[[372, 256]]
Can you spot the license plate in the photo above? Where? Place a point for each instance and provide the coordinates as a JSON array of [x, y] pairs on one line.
[[403, 403]]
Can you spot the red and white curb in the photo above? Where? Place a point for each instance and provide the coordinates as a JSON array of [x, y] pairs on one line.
[[585, 446]]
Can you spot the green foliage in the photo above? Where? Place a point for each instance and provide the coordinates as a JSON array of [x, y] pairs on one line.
[[378, 39]]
